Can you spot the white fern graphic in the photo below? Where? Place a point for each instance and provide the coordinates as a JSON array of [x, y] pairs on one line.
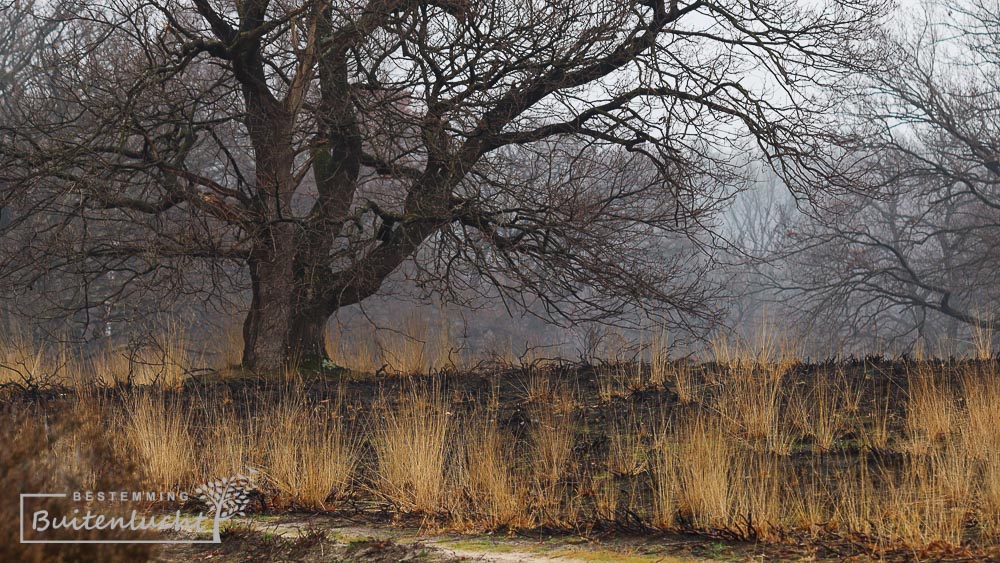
[[226, 497]]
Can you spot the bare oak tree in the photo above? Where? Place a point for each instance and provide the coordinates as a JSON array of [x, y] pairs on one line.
[[539, 147]]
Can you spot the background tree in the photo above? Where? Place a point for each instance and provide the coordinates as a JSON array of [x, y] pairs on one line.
[[317, 147], [921, 259]]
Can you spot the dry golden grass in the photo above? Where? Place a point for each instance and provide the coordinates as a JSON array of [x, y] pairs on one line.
[[858, 500], [988, 494], [310, 458], [749, 402], [685, 384], [536, 387], [551, 438], [230, 443], [807, 502], [606, 497], [819, 413], [755, 494], [980, 425], [627, 453], [874, 430], [159, 430], [631, 377], [533, 452], [659, 358], [929, 502], [608, 385], [704, 465], [499, 497], [982, 341], [930, 410], [411, 444], [664, 480]]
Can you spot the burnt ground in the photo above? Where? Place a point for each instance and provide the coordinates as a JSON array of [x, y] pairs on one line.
[[873, 380], [365, 528]]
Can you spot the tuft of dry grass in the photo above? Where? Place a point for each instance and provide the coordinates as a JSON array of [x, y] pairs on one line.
[[310, 458], [808, 503], [606, 498], [874, 430], [551, 437], [982, 341], [819, 413], [536, 387], [755, 495], [929, 503], [411, 445], [858, 500], [499, 498], [230, 443], [988, 494], [704, 461], [685, 384], [627, 448], [659, 357], [608, 385], [930, 410], [630, 377], [979, 429], [159, 431], [664, 477], [926, 502], [749, 401]]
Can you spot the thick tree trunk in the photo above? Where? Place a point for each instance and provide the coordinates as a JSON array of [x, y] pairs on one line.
[[281, 329], [307, 337], [279, 332]]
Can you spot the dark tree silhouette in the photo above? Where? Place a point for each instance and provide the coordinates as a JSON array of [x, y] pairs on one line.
[[538, 148]]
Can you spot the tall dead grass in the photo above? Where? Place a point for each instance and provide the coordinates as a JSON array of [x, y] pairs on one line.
[[311, 457], [980, 424], [664, 479], [536, 452], [930, 410], [704, 465], [820, 412], [418, 346], [411, 444], [159, 430], [499, 496], [749, 400], [551, 439]]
